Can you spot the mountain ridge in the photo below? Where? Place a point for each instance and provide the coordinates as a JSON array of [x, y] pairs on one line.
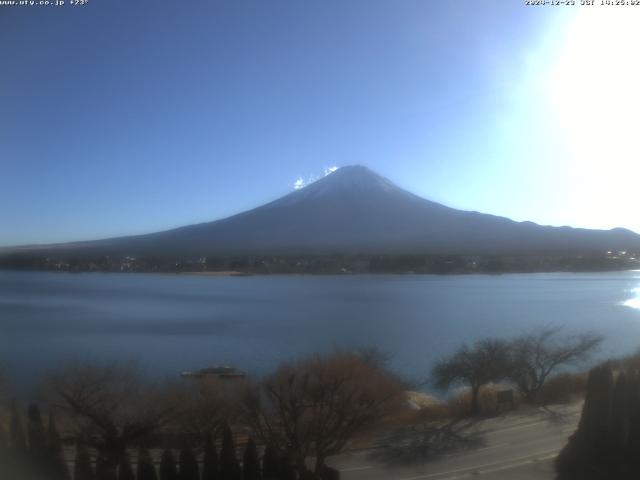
[[353, 210]]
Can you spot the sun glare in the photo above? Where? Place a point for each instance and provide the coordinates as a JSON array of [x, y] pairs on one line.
[[633, 302], [594, 93]]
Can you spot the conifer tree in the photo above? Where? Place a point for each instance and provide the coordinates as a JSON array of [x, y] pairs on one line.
[[104, 469], [286, 470], [37, 439], [57, 466], [270, 463], [146, 469], [596, 413], [125, 472], [82, 469], [4, 445], [210, 463], [168, 469], [4, 454], [229, 466], [633, 380], [188, 464], [600, 445], [17, 439], [250, 462], [620, 420]]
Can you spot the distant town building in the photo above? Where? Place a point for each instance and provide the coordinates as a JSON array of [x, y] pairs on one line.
[[216, 371]]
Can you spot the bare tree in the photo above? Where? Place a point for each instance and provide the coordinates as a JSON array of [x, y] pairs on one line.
[[110, 405], [537, 355], [315, 406], [486, 361], [207, 405]]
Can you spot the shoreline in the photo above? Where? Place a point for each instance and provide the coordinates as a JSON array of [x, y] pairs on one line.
[[236, 273], [222, 273]]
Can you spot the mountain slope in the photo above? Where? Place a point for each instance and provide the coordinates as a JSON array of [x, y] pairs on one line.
[[354, 210]]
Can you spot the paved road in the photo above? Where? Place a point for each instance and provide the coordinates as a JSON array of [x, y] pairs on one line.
[[518, 446]]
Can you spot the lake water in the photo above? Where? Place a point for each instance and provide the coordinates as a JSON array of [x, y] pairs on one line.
[[182, 322]]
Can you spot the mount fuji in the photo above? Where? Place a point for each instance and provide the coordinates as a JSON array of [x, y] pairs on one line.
[[354, 211]]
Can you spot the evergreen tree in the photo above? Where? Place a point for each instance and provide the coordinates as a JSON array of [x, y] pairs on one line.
[[168, 470], [620, 416], [104, 469], [285, 469], [188, 464], [17, 440], [37, 439], [250, 462], [57, 466], [4, 454], [596, 412], [270, 463], [601, 446], [633, 380], [229, 466], [210, 463], [82, 469], [4, 444], [146, 469], [125, 472]]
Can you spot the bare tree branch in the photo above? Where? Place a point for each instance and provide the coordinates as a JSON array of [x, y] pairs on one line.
[[317, 405], [110, 404], [537, 355], [484, 362]]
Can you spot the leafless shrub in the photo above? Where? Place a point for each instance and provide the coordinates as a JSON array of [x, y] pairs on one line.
[[315, 406], [460, 404], [485, 361], [207, 405], [562, 388], [535, 356], [109, 405]]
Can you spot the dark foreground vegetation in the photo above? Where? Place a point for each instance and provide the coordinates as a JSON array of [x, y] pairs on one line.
[[330, 264], [106, 422], [118, 427], [607, 443]]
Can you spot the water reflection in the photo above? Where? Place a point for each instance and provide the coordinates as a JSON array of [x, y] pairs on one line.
[[633, 302]]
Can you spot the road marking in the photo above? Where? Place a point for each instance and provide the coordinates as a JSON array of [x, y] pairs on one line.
[[356, 469], [477, 469], [522, 425], [516, 427], [497, 445], [516, 465], [462, 453]]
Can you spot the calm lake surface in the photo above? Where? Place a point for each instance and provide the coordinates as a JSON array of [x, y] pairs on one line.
[[182, 322]]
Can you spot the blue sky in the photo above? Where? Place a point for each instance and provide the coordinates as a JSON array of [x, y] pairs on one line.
[[124, 117]]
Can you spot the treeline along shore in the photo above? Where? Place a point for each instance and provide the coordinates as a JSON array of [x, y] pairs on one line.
[[330, 264]]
